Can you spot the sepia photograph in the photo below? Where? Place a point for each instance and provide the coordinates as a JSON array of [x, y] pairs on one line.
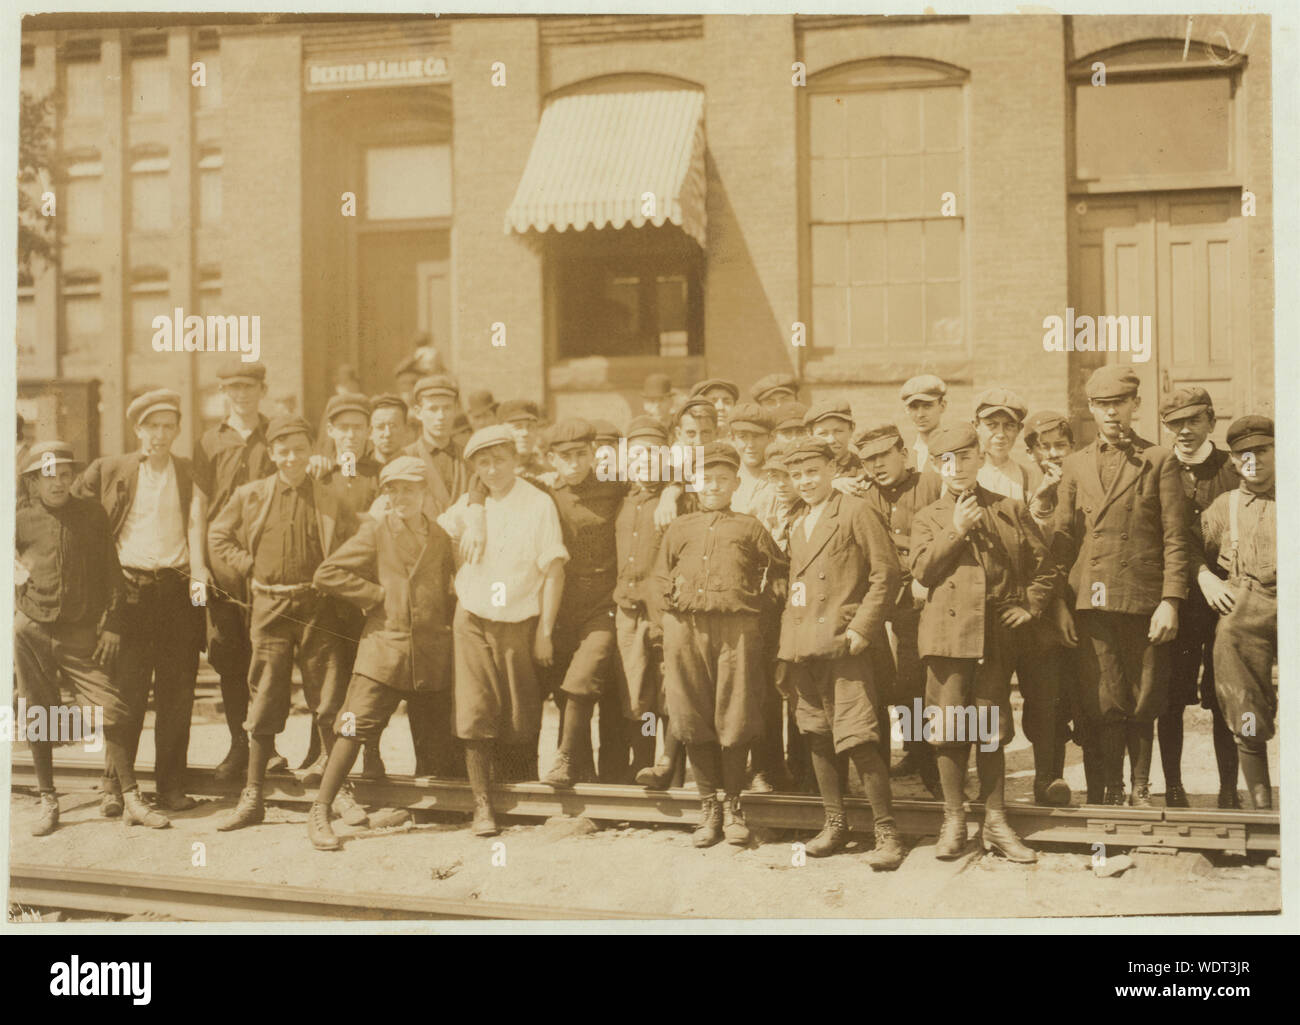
[[695, 467]]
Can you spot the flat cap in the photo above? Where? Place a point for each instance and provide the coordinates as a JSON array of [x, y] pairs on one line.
[[871, 441], [999, 399], [285, 425], [647, 428], [488, 437], [1114, 380], [518, 409], [717, 453], [238, 370], [774, 456], [952, 439], [1186, 402], [808, 448], [481, 401], [788, 416], [571, 431], [837, 408], [436, 384], [717, 382], [657, 386], [1044, 421], [58, 452], [1250, 431], [607, 433], [408, 468], [923, 386], [389, 399], [160, 399], [351, 402], [765, 386], [751, 415], [698, 407]]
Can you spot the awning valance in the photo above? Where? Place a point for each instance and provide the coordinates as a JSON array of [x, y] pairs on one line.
[[597, 155]]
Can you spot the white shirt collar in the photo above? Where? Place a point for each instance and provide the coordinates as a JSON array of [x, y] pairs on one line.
[[1197, 457]]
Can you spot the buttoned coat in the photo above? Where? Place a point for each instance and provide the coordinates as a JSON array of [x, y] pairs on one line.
[[1125, 548], [406, 641], [850, 574], [233, 535], [952, 622]]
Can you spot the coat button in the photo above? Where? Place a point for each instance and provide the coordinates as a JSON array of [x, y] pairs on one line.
[[952, 612], [820, 619], [821, 576], [1123, 537]]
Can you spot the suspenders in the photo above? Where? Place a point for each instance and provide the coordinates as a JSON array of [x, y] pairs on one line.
[[1234, 497]]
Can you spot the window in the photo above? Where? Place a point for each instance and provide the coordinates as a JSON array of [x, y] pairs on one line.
[[83, 318], [405, 182], [210, 188], [149, 87], [210, 94], [149, 298], [26, 327], [150, 194], [886, 143], [85, 88], [212, 406], [627, 292], [83, 198]]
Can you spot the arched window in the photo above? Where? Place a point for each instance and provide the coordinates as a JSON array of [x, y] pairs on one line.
[[886, 205]]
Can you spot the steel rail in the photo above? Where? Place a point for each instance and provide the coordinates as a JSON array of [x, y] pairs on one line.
[[106, 891], [1205, 829]]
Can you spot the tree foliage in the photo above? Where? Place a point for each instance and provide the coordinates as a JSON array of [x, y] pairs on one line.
[[36, 170]]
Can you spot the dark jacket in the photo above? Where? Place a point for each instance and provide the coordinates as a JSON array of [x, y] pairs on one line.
[[112, 480], [845, 577], [71, 560], [406, 642], [443, 496], [956, 571], [1134, 539]]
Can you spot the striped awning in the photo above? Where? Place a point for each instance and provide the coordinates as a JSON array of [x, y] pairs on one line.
[[597, 156]]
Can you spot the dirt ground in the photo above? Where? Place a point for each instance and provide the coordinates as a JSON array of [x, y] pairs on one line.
[[655, 871]]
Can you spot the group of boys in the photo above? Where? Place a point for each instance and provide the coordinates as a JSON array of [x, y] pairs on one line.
[[758, 616]]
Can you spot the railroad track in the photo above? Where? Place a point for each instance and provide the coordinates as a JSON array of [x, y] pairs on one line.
[[103, 891], [1203, 829]]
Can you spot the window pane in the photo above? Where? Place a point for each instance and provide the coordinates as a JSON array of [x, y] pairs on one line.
[[149, 85], [903, 121], [942, 173], [943, 248], [671, 300], [84, 201], [866, 192], [903, 244], [1143, 129], [828, 255], [210, 196], [210, 94], [904, 315], [867, 253], [85, 84], [826, 125], [827, 190], [144, 308], [943, 314], [84, 322], [868, 316], [903, 187], [866, 123], [830, 317], [26, 333], [408, 181], [943, 117], [150, 202]]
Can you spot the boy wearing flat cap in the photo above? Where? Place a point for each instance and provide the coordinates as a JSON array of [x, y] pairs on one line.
[[227, 456], [397, 570], [270, 538], [436, 401], [723, 394], [504, 624], [844, 577], [388, 430], [1206, 472], [898, 492], [696, 423], [523, 419], [158, 519], [831, 421], [924, 398], [67, 622], [1240, 532], [980, 556], [713, 577], [1049, 437], [1122, 538], [788, 423], [775, 390], [999, 414]]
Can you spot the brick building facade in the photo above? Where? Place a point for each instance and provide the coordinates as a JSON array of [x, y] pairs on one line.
[[919, 193]]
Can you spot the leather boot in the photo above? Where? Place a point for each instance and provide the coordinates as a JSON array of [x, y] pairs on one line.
[[48, 819], [660, 776], [733, 823], [709, 830], [888, 853], [110, 804], [372, 764], [319, 831], [1176, 796], [1230, 799], [1261, 796], [345, 806], [1054, 793], [1114, 796], [248, 812], [311, 776], [565, 773], [997, 835], [952, 835], [485, 823], [135, 812], [832, 838], [1141, 797], [760, 784], [233, 767]]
